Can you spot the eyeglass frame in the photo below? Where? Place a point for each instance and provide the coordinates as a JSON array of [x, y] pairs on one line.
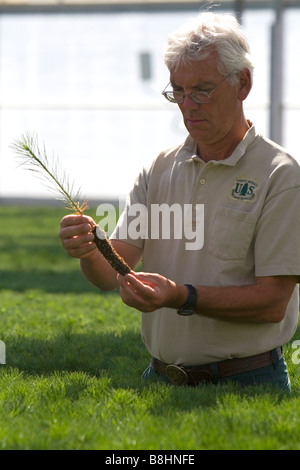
[[192, 95]]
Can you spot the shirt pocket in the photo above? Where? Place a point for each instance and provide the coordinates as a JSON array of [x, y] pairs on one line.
[[232, 233]]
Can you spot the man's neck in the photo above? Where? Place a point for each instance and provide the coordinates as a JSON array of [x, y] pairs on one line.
[[225, 147]]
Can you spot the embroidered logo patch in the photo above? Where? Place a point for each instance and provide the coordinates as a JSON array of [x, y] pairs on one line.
[[244, 189]]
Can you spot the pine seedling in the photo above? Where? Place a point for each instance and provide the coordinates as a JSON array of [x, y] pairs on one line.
[[35, 159]]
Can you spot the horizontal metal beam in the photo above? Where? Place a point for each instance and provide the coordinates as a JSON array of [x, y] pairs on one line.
[[248, 3], [32, 6]]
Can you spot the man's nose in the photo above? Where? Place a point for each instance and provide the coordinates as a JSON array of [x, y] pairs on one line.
[[188, 103]]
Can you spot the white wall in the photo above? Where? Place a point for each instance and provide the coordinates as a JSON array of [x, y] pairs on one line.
[[75, 80]]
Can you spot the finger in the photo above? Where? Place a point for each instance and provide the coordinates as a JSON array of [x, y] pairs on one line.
[[125, 284], [144, 278], [83, 251], [75, 231], [70, 242], [144, 289], [76, 219], [121, 280]]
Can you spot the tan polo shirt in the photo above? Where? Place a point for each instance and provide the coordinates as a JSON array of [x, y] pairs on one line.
[[245, 217]]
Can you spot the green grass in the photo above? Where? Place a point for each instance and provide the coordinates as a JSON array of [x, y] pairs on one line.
[[75, 357]]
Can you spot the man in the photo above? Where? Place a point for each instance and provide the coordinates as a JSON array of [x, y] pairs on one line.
[[220, 310]]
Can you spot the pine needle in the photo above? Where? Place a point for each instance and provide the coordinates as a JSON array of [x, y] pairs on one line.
[[35, 159]]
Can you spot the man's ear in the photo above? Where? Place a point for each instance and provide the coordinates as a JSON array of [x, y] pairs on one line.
[[245, 83]]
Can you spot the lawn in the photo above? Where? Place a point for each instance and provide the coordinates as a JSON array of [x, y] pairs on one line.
[[74, 358]]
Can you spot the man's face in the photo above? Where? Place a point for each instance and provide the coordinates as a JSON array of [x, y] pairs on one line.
[[207, 123]]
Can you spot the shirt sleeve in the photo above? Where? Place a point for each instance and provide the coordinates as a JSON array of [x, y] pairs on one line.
[[277, 238], [132, 224]]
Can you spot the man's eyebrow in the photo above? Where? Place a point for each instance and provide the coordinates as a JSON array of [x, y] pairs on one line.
[[174, 84]]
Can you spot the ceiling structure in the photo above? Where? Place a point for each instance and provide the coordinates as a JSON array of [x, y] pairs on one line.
[[148, 4], [239, 6]]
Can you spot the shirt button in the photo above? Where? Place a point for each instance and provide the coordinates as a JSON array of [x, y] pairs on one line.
[[202, 181]]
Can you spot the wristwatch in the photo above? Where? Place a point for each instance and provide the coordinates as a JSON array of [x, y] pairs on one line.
[[188, 308]]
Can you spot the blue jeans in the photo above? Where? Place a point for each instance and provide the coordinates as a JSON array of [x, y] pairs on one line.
[[275, 374]]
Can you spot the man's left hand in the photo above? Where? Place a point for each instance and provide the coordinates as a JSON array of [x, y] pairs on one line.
[[147, 292]]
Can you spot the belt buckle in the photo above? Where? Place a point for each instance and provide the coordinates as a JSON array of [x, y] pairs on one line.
[[177, 375]]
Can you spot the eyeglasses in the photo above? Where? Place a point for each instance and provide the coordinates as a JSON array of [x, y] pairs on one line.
[[200, 97]]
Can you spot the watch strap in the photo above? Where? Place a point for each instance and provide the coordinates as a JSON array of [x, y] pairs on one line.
[[188, 308]]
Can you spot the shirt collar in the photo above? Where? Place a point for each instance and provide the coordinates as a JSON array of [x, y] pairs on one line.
[[188, 151]]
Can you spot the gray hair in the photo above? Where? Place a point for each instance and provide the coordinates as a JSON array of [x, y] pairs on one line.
[[220, 32]]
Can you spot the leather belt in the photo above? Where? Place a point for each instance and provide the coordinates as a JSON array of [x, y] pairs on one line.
[[195, 375]]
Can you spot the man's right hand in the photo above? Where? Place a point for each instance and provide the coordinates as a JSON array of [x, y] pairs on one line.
[[77, 239], [76, 236]]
